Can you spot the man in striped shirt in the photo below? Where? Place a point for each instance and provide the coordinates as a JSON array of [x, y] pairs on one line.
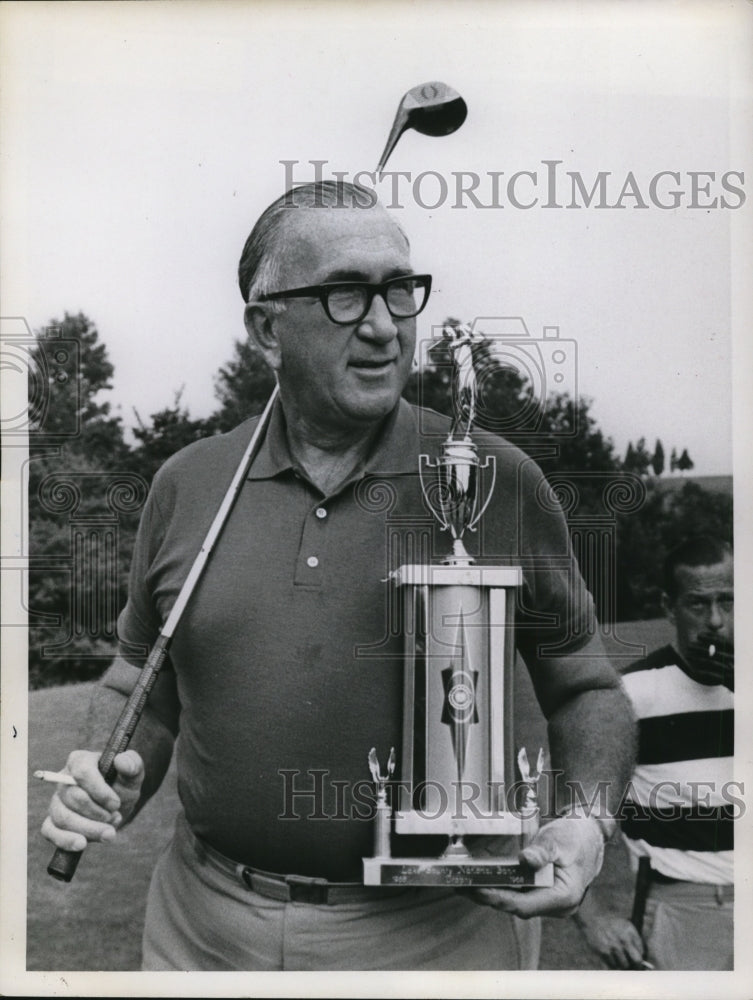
[[680, 804]]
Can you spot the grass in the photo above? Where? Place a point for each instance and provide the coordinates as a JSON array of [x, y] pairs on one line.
[[95, 922]]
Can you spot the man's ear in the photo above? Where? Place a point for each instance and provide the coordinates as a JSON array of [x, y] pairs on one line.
[[668, 607], [259, 322]]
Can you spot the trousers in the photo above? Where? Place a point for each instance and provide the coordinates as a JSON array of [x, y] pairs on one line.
[[200, 918], [689, 926]]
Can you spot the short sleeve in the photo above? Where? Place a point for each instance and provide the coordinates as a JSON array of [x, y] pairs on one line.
[[139, 624], [556, 616]]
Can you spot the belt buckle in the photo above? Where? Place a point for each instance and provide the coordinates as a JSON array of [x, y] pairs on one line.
[[307, 890]]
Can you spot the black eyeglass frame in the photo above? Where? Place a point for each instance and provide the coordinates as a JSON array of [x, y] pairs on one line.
[[323, 291]]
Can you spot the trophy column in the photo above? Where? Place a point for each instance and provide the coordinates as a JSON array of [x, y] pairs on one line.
[[458, 772], [457, 722]]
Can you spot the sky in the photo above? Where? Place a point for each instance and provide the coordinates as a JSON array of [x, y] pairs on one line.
[[141, 142]]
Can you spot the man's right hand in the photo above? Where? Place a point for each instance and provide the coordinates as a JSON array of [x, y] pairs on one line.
[[614, 939], [91, 810]]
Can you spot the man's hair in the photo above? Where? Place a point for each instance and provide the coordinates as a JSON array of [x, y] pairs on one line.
[[259, 267], [698, 550]]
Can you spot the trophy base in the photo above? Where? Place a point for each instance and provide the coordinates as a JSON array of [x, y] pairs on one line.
[[455, 872]]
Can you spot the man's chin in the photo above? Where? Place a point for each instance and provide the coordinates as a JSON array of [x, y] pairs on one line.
[[370, 408]]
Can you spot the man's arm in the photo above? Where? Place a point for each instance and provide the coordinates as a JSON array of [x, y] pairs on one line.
[[592, 731], [93, 810], [592, 742]]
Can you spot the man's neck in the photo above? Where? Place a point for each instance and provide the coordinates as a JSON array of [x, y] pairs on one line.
[[328, 459]]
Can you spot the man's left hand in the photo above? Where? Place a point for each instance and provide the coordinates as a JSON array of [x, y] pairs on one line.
[[575, 845]]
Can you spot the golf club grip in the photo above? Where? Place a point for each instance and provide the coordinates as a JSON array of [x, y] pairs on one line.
[[63, 863]]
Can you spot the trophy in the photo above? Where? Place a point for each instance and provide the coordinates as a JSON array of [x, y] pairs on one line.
[[458, 767]]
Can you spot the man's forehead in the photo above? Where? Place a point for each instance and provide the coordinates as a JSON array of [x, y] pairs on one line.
[[719, 576], [339, 235]]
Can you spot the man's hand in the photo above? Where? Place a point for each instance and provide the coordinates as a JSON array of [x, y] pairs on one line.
[[614, 939], [91, 810], [576, 847]]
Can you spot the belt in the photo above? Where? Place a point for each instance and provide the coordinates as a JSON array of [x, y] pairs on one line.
[[300, 889], [289, 888], [662, 879], [676, 886]]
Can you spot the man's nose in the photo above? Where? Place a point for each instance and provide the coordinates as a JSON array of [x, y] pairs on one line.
[[378, 323], [716, 616]]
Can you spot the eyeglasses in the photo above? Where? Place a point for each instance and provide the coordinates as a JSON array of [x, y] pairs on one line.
[[349, 301]]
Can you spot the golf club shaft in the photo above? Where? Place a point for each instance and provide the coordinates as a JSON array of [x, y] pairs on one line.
[[63, 864], [398, 127]]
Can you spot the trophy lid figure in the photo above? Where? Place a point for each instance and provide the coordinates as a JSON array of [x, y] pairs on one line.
[[461, 339], [453, 492], [380, 780], [530, 780]]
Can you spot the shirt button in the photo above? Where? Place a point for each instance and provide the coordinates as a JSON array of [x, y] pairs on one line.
[[312, 561], [321, 512]]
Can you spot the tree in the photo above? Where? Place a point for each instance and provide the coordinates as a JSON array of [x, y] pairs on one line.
[[168, 431], [693, 510], [77, 452], [581, 445], [242, 386], [685, 463], [657, 461], [667, 517], [673, 460], [637, 458], [642, 458], [71, 408], [80, 549]]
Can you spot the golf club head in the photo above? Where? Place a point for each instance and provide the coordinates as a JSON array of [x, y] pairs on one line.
[[431, 109]]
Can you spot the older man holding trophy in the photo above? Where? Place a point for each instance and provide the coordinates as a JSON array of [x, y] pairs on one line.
[[349, 604]]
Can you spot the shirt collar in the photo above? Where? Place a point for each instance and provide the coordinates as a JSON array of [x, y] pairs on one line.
[[395, 450], [273, 456]]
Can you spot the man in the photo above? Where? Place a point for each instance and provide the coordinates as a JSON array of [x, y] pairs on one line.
[[286, 667], [679, 813]]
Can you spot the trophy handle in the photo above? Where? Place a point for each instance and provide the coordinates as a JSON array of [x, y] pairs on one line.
[[425, 460], [490, 461]]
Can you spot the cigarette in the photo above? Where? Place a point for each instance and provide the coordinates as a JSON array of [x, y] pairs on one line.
[[56, 777]]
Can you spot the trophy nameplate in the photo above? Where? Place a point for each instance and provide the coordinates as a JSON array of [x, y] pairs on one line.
[[459, 773]]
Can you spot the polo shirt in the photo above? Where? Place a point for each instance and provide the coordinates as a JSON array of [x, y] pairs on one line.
[[681, 803], [288, 658]]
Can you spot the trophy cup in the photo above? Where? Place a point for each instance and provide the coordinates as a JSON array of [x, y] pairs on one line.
[[458, 773]]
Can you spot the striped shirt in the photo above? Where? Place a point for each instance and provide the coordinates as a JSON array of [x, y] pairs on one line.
[[681, 802]]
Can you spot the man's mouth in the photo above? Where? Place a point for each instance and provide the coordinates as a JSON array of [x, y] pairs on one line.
[[375, 365]]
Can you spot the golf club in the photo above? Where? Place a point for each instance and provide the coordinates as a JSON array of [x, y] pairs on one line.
[[431, 109]]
